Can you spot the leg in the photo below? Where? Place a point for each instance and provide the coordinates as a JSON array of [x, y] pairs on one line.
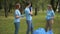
[[16, 27], [50, 25], [47, 25], [31, 29], [29, 26]]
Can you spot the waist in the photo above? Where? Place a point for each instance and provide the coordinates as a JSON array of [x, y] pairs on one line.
[[28, 18], [17, 20]]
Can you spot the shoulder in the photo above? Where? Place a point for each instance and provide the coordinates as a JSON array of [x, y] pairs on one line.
[[53, 11], [17, 11], [26, 9]]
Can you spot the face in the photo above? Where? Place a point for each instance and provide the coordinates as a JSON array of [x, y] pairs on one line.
[[49, 7], [17, 6]]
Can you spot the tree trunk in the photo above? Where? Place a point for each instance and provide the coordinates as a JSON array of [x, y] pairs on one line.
[[52, 3], [0, 5], [59, 6], [36, 7], [35, 11], [5, 8]]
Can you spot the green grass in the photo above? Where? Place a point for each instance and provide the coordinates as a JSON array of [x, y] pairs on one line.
[[7, 24]]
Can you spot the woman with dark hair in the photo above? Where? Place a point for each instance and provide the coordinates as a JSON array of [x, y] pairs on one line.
[[28, 18]]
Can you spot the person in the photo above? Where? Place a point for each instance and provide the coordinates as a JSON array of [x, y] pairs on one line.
[[49, 18], [17, 15], [29, 18]]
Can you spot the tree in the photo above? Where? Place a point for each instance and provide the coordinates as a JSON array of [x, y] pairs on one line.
[[10, 5], [54, 4], [0, 4], [35, 4], [59, 5], [6, 7]]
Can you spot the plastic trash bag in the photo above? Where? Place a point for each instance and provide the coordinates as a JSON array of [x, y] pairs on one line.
[[42, 31], [39, 31], [49, 32]]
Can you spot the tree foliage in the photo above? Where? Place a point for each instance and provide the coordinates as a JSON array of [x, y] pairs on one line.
[[38, 4]]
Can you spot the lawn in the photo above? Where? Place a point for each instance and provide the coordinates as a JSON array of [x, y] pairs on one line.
[[7, 24]]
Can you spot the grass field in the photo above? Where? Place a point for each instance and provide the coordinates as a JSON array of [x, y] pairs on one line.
[[7, 24]]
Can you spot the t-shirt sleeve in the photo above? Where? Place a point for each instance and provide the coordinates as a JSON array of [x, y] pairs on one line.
[[53, 13], [17, 13]]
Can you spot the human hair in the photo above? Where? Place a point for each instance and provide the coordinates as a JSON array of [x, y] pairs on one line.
[[27, 3], [50, 6], [17, 5]]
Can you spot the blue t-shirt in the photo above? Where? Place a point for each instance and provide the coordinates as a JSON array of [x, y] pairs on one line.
[[27, 12], [17, 12], [50, 13]]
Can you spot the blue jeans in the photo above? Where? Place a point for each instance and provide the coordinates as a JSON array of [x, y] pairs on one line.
[[30, 27], [16, 27]]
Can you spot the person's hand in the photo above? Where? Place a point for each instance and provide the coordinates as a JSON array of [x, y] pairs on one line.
[[17, 16], [52, 17], [31, 13]]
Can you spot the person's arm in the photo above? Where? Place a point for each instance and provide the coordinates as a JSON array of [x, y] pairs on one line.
[[28, 12], [31, 13], [17, 14], [53, 15]]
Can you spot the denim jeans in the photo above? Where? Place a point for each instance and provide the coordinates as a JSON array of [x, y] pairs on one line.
[[29, 27], [16, 27]]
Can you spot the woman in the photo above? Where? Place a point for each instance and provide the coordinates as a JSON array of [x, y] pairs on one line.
[[49, 18], [28, 18], [17, 18]]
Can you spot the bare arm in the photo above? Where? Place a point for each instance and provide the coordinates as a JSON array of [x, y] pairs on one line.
[[31, 13], [17, 16]]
